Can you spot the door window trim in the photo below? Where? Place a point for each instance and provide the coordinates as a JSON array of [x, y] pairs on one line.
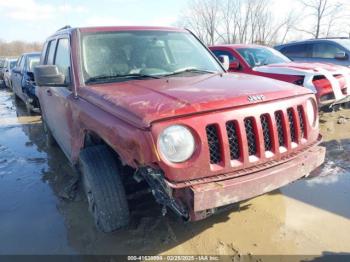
[[69, 85]]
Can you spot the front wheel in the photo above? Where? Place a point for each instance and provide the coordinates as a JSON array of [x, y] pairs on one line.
[[104, 188]]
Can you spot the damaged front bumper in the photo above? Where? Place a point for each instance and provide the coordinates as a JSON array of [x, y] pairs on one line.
[[339, 101], [198, 201]]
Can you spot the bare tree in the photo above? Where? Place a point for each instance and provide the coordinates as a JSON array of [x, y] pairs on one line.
[[203, 18], [232, 21], [230, 10], [16, 48], [321, 10]]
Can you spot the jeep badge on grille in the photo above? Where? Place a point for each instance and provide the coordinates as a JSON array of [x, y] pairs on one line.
[[256, 98]]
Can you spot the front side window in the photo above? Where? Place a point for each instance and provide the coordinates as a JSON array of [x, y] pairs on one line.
[[62, 58], [21, 65], [262, 56], [50, 52], [151, 53], [218, 53], [19, 61], [325, 50], [298, 50]]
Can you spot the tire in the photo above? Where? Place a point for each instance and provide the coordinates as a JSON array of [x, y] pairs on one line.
[[50, 140], [104, 188]]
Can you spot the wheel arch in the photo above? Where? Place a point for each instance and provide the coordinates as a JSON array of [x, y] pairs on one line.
[[91, 138]]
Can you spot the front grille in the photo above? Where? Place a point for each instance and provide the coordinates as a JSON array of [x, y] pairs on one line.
[[266, 132], [214, 144], [291, 120], [251, 138], [280, 131], [232, 134], [301, 121], [274, 125]]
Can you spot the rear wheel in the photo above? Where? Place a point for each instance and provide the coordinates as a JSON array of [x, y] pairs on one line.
[[104, 188]]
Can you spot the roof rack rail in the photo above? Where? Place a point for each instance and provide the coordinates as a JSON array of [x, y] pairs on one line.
[[63, 28]]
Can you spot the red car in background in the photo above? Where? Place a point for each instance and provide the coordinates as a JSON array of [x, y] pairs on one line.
[[329, 82]]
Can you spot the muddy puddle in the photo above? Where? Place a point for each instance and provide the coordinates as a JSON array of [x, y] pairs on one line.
[[40, 215]]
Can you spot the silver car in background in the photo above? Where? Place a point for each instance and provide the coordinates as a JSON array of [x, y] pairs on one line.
[[7, 70]]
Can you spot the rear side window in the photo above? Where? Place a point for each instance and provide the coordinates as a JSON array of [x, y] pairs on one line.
[[50, 52], [325, 50], [301, 50], [218, 53], [62, 58]]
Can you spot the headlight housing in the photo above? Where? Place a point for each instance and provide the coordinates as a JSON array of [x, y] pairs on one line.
[[176, 143], [311, 112]]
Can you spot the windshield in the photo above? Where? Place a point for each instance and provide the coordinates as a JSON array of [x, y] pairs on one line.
[[125, 54], [344, 42], [262, 56], [32, 62]]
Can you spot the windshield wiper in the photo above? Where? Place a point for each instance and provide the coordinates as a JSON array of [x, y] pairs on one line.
[[190, 70], [107, 78]]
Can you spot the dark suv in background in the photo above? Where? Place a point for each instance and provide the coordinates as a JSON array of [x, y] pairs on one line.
[[327, 50], [22, 80]]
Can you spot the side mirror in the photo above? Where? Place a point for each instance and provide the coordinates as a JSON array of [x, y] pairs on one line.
[[341, 56], [48, 75], [234, 65], [30, 76], [225, 61]]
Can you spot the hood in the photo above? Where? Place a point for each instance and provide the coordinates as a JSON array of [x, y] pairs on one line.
[[295, 68], [141, 102]]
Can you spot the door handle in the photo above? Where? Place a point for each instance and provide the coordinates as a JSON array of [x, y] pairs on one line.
[[48, 92]]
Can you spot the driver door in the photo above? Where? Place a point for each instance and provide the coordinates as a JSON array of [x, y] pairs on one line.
[[56, 99]]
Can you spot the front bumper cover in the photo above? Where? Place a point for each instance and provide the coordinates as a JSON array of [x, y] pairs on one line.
[[198, 201], [206, 198]]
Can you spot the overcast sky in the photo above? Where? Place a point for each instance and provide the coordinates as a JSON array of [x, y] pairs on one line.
[[34, 20]]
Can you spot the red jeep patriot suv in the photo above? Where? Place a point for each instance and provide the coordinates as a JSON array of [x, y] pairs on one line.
[[153, 106]]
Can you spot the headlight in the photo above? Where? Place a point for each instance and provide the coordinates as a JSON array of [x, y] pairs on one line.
[[311, 111], [176, 143]]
